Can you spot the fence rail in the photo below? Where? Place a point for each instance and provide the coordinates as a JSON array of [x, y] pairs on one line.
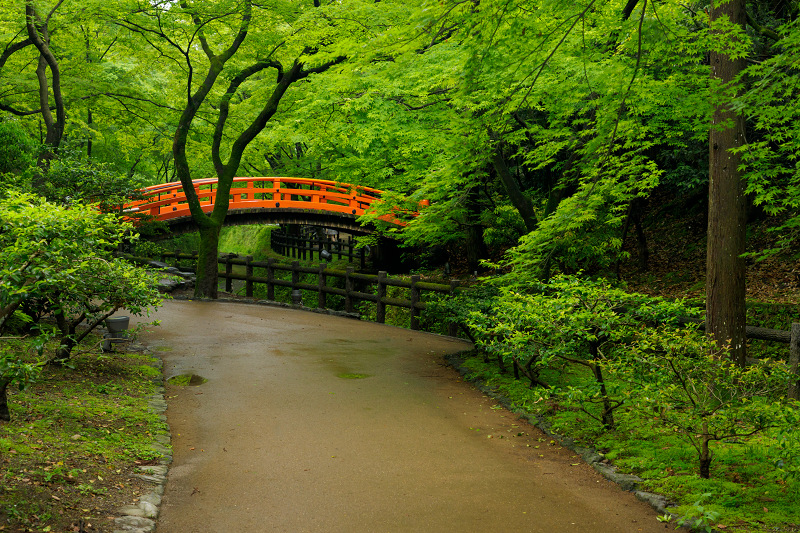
[[357, 287], [300, 246]]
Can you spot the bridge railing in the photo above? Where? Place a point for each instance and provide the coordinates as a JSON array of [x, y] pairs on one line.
[[322, 282], [168, 201]]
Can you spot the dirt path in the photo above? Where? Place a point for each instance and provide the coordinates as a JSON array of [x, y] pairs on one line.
[[325, 424]]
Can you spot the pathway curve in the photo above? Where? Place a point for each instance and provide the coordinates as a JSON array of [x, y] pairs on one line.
[[324, 424]]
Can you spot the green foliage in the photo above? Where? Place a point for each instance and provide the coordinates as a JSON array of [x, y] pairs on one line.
[[770, 102], [72, 179], [17, 149], [700, 518], [60, 260], [44, 243], [15, 371], [609, 354], [698, 393]]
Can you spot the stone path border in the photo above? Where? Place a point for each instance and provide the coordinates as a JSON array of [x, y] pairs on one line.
[[140, 517]]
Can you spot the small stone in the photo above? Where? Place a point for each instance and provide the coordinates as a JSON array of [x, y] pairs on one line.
[[75, 437], [152, 498], [162, 449], [656, 501], [130, 510], [134, 523], [592, 457], [156, 470], [151, 479], [150, 510]]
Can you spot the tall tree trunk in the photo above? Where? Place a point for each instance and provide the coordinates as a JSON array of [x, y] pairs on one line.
[[725, 267], [476, 246], [39, 35], [207, 282], [518, 199], [5, 414]]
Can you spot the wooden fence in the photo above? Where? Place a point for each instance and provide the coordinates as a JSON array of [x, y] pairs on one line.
[[356, 287], [303, 247]]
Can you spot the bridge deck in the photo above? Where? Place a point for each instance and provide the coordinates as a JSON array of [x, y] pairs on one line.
[[167, 202]]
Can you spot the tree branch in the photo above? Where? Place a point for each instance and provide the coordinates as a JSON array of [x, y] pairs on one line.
[[225, 101], [8, 51]]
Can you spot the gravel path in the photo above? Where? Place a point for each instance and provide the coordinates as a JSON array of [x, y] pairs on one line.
[[325, 424]]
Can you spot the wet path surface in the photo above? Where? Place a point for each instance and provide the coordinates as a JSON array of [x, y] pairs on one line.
[[323, 424]]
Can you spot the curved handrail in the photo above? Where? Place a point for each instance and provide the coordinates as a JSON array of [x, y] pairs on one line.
[[168, 201]]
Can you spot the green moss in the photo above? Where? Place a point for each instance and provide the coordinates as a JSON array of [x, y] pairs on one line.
[[352, 375], [184, 380]]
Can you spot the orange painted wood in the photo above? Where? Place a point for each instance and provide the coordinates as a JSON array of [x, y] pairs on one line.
[[168, 201]]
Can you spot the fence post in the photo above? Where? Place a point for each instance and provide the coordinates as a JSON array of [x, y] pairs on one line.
[[452, 326], [321, 279], [349, 288], [248, 291], [350, 249], [270, 279], [381, 292], [305, 243], [297, 296], [228, 272], [414, 301], [794, 361], [295, 274]]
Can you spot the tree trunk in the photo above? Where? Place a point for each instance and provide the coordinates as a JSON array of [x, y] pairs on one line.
[[64, 350], [39, 34], [607, 415], [475, 246], [705, 453], [5, 414], [725, 267], [518, 199], [206, 285]]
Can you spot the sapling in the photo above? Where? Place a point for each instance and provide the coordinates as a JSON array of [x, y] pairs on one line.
[[697, 392]]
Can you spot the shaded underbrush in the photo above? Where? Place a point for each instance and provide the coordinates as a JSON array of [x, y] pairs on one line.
[[68, 457]]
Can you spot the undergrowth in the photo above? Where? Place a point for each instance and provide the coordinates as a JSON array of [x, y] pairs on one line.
[[75, 438], [749, 490]]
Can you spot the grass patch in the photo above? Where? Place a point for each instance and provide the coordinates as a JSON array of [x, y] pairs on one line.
[[76, 437]]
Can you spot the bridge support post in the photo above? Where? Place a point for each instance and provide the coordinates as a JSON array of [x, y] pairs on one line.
[[414, 302], [381, 293]]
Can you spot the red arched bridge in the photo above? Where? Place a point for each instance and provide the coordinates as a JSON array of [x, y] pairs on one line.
[[266, 199]]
